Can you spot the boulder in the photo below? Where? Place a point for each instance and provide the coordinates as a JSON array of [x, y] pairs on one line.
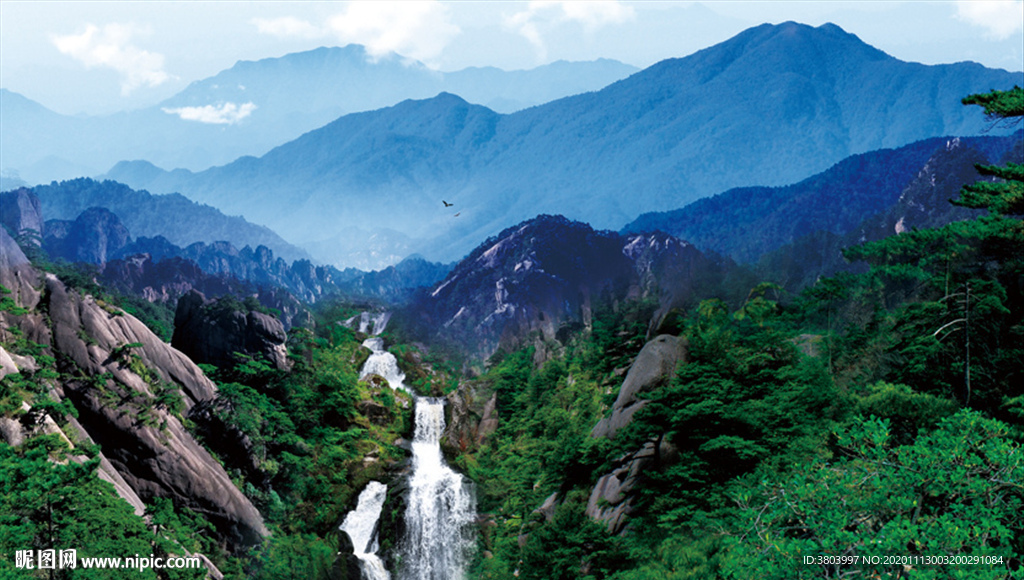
[[212, 331], [655, 365], [547, 509]]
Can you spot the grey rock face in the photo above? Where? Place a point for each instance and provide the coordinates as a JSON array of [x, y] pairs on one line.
[[20, 212], [109, 329], [145, 443], [610, 502], [209, 332], [473, 417], [655, 364], [17, 273]]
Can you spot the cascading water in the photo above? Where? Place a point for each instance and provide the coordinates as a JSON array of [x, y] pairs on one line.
[[438, 520], [383, 363], [441, 506], [373, 323], [361, 525]]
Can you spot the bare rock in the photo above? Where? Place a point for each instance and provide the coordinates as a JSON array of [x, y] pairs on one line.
[[473, 417], [17, 273], [95, 236], [110, 330], [655, 365], [22, 214], [547, 509], [146, 444], [211, 331], [611, 501]]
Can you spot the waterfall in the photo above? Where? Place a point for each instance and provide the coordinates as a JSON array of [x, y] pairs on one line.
[[373, 322], [382, 363], [441, 508], [439, 536], [361, 524]]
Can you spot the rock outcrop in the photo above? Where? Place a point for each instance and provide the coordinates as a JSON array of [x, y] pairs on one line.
[[610, 501], [130, 390], [21, 213], [17, 274], [14, 431], [655, 365], [212, 331], [94, 237], [144, 439], [473, 417]]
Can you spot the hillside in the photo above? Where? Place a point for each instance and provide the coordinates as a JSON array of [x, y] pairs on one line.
[[923, 203], [771, 106]]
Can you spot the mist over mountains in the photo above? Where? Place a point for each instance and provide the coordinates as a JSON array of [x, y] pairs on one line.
[[769, 107], [256, 105]]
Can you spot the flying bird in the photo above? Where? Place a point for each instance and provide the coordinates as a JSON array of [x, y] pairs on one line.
[[446, 204], [457, 215]]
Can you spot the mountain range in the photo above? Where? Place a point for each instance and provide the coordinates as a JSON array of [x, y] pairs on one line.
[[256, 105], [771, 106], [180, 220], [748, 222]]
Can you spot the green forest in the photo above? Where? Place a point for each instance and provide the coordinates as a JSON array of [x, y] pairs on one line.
[[866, 427]]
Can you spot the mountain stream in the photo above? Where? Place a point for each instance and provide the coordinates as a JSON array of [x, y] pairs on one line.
[[441, 507]]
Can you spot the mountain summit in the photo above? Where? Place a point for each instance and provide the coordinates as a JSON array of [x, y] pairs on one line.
[[771, 106]]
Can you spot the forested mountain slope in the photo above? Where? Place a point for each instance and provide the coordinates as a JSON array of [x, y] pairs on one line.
[[745, 223]]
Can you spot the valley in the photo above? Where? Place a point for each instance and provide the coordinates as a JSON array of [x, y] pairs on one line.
[[658, 329]]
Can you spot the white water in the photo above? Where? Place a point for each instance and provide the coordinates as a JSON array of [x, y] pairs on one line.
[[382, 363], [438, 519], [361, 524], [374, 323], [441, 508]]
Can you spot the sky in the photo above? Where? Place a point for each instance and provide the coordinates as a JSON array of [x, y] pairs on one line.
[[85, 57]]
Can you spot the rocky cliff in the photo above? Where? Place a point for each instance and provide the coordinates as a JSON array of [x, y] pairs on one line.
[[131, 391], [213, 331], [611, 499], [21, 213]]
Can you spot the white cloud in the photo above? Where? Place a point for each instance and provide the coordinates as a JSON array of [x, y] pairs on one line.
[[419, 29], [1002, 18], [595, 14], [223, 114], [288, 27], [111, 47], [592, 15]]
